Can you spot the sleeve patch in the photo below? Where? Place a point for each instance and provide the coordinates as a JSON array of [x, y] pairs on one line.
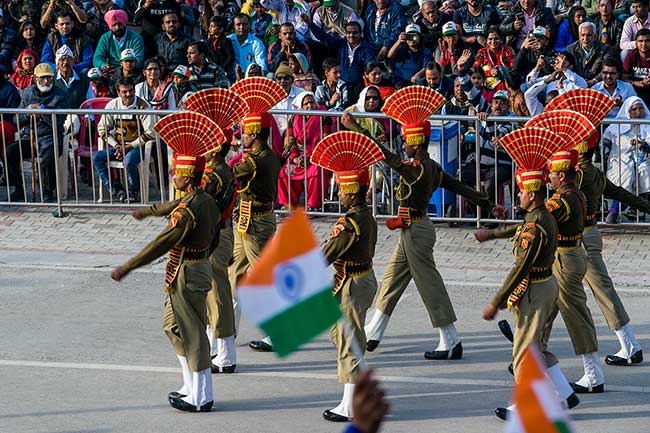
[[552, 205], [524, 244], [175, 217]]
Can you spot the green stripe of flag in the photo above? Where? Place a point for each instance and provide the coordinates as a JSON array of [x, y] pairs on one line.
[[301, 322], [562, 427]]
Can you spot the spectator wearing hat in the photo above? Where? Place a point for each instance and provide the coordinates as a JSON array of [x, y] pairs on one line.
[[284, 77], [181, 86], [522, 18], [128, 68], [248, 49], [285, 46], [608, 27], [67, 79], [54, 8], [115, 41], [384, 21], [332, 17], [205, 75], [588, 53], [636, 66], [100, 86], [612, 86], [475, 19], [303, 77], [23, 75], [41, 95], [64, 35], [171, 45], [639, 20], [408, 56], [221, 51], [7, 39], [536, 45], [567, 32], [452, 53], [149, 15], [430, 21]]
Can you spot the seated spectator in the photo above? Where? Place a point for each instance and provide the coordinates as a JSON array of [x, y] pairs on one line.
[[535, 45], [281, 50], [303, 77], [9, 98], [7, 40], [100, 85], [305, 132], [53, 8], [375, 75], [430, 21], [23, 75], [248, 49], [612, 86], [156, 92], [408, 56], [633, 24], [64, 34], [560, 8], [434, 78], [261, 22], [516, 100], [636, 67], [566, 79], [466, 101], [125, 136], [290, 11], [384, 21], [608, 28], [370, 102], [452, 53], [127, 67], [205, 75], [284, 77], [171, 45], [96, 25], [181, 86], [629, 160], [27, 38], [41, 95], [568, 31], [476, 19], [327, 93], [115, 41], [522, 18], [477, 75], [187, 15], [221, 51], [493, 59], [332, 17], [149, 15], [75, 85], [588, 54]]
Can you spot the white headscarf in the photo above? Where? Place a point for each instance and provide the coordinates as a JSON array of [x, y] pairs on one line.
[[624, 113], [361, 102], [297, 101]]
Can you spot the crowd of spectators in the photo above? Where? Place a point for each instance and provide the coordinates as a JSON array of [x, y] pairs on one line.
[[487, 57]]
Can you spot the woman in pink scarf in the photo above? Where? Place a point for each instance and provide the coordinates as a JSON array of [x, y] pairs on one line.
[[307, 133], [23, 76]]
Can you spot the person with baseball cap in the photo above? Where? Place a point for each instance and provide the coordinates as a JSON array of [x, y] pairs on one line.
[[408, 56]]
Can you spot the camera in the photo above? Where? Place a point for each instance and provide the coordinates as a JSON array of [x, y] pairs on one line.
[[411, 37], [549, 60]]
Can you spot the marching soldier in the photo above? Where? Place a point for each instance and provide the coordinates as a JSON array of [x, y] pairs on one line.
[[190, 236]]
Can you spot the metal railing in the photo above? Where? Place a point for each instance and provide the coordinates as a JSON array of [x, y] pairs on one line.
[[78, 184]]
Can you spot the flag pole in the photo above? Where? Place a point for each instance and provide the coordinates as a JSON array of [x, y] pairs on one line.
[[354, 344]]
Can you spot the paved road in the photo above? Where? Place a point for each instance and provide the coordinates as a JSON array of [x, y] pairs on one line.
[[80, 353]]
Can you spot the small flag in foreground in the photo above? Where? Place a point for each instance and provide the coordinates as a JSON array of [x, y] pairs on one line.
[[288, 292], [537, 408]]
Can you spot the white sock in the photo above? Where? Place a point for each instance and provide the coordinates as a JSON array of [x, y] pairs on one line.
[[237, 308], [511, 407], [187, 376], [211, 340], [267, 340], [560, 382], [448, 337], [629, 345], [377, 325], [201, 388], [345, 406], [594, 374], [226, 352]]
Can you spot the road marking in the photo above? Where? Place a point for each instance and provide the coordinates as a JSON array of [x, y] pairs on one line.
[[290, 375]]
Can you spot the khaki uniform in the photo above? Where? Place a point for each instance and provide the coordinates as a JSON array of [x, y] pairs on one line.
[[530, 287], [351, 248], [191, 235], [568, 207], [219, 184], [257, 175], [594, 184]]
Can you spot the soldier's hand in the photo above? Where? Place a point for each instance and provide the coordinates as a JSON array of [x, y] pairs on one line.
[[368, 404], [138, 214], [119, 273], [489, 312], [481, 235]]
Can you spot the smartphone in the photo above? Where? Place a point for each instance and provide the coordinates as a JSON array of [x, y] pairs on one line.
[[519, 16]]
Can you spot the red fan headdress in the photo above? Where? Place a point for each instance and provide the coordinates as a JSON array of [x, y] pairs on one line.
[[223, 106], [591, 103], [261, 94], [412, 106], [572, 126], [531, 148], [348, 154], [190, 135], [563, 160]]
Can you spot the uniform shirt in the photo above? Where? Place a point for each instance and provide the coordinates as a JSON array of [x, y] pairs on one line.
[[257, 175], [353, 238], [568, 206]]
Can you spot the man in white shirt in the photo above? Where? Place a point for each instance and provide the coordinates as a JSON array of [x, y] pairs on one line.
[[284, 77], [612, 86]]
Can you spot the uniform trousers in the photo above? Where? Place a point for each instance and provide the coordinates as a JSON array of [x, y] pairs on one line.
[[221, 314], [412, 258], [249, 245]]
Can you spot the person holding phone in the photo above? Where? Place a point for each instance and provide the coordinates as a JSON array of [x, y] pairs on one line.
[[407, 55], [522, 18]]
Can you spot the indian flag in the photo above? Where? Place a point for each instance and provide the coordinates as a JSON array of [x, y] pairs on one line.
[[537, 408], [288, 292]]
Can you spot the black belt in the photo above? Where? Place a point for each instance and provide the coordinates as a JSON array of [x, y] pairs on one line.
[[567, 243], [590, 220], [261, 208], [540, 273], [196, 254], [418, 213]]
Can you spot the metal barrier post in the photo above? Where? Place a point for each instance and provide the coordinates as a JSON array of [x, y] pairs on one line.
[[58, 213]]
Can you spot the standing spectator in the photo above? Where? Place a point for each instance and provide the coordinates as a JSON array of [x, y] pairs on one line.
[[248, 49], [408, 57], [171, 44], [588, 54], [261, 22], [291, 11], [475, 19], [221, 51], [75, 85], [327, 93], [535, 45], [608, 28], [7, 39], [567, 33], [633, 24], [27, 38], [156, 92], [54, 8], [23, 75], [636, 66], [205, 75], [41, 95], [115, 41], [281, 50], [452, 53], [493, 59], [64, 34], [100, 85], [375, 75], [522, 18], [96, 25], [149, 15], [9, 98], [384, 20], [434, 78], [332, 17], [611, 86], [430, 21]]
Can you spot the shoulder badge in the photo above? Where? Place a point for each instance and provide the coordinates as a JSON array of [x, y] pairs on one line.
[[530, 225], [338, 227], [175, 217], [552, 204]]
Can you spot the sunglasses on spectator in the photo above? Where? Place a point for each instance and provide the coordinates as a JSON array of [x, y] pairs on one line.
[[282, 77], [372, 98]]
